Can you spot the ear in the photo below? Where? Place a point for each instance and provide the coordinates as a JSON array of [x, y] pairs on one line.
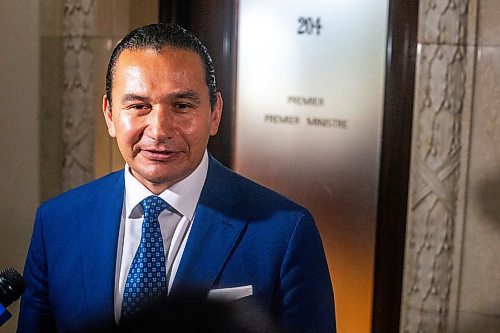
[[216, 115], [108, 116]]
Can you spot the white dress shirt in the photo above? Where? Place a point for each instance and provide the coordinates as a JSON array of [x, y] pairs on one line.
[[175, 226]]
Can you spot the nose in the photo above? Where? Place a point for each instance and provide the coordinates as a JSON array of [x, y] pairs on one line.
[[160, 123]]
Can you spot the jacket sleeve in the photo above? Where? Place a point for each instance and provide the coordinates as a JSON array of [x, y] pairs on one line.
[[35, 312], [305, 301]]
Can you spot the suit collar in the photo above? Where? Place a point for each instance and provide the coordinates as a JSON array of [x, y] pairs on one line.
[[213, 235]]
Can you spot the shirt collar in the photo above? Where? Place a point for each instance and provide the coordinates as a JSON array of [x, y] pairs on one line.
[[182, 196]]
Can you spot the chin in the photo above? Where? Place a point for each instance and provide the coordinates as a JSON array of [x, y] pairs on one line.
[[162, 173], [164, 178], [159, 178]]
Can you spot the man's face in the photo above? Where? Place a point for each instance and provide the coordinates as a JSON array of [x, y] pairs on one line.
[[160, 114]]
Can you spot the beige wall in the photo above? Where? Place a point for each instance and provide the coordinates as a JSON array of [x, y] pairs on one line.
[[479, 290], [19, 105]]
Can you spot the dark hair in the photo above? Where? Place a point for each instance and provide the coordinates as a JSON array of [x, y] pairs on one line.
[[157, 36]]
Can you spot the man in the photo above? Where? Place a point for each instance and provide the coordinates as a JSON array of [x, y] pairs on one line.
[[174, 222]]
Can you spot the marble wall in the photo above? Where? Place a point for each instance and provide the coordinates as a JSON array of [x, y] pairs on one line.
[[478, 306], [452, 279]]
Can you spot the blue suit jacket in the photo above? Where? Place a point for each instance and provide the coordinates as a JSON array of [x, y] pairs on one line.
[[243, 234]]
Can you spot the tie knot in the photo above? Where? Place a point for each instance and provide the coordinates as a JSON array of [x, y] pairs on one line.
[[153, 206]]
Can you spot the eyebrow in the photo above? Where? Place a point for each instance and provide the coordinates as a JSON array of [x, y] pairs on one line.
[[187, 94], [133, 97]]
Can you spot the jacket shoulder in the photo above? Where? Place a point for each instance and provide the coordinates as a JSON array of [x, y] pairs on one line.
[[111, 184], [252, 194]]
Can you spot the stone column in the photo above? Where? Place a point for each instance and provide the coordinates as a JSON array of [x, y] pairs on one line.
[[440, 147], [77, 114]]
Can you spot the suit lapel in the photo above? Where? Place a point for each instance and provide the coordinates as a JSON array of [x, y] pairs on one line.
[[99, 228], [213, 234]]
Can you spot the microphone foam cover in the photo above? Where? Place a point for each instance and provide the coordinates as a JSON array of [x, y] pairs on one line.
[[11, 286]]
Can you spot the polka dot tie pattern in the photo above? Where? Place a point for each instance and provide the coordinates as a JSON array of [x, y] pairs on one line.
[[147, 278]]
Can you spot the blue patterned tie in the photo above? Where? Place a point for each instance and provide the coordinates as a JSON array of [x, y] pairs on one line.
[[147, 278]]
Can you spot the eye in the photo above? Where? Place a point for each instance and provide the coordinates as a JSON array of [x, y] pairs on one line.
[[139, 108], [182, 107]]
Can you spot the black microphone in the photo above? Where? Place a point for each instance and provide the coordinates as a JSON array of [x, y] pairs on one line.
[[11, 287]]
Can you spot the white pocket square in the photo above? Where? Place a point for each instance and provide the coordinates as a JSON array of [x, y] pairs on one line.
[[230, 294]]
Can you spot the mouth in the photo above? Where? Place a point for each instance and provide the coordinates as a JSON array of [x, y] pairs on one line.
[[159, 155]]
